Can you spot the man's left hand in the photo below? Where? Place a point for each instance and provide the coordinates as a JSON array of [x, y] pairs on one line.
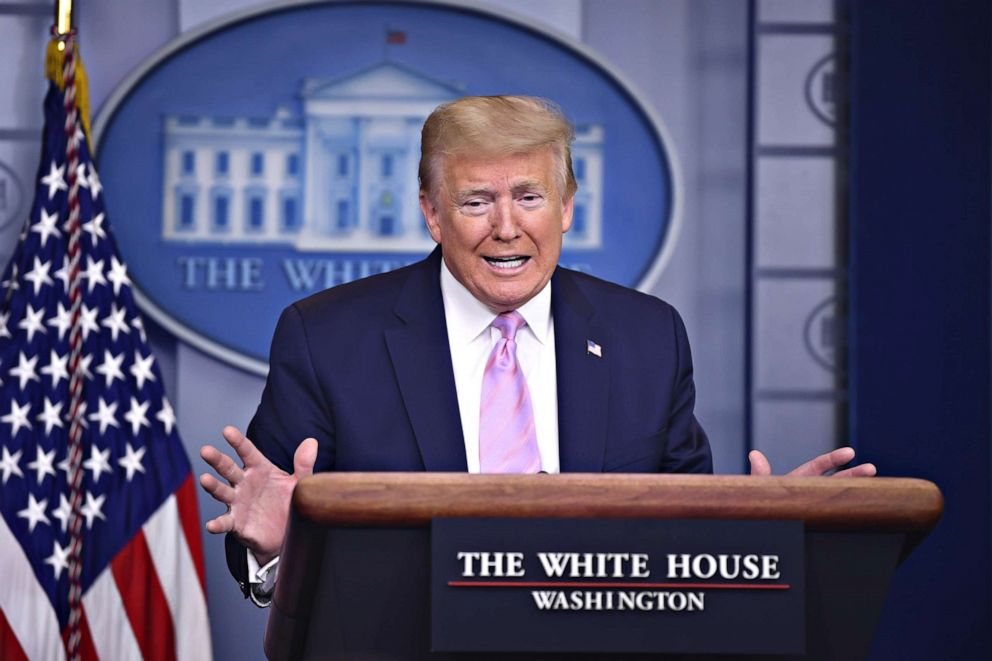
[[815, 467]]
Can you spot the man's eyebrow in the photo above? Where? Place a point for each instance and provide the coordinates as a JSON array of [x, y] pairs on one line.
[[472, 192], [529, 184]]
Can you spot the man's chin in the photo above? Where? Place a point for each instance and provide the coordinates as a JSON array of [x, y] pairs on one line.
[[503, 300]]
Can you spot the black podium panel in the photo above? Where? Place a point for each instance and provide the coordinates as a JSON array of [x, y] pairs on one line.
[[372, 592]]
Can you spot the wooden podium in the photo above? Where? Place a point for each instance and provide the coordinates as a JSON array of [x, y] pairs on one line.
[[354, 580]]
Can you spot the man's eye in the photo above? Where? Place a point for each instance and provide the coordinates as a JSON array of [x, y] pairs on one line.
[[474, 206], [530, 199]]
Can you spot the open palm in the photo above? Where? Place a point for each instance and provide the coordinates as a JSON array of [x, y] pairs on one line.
[[257, 495]]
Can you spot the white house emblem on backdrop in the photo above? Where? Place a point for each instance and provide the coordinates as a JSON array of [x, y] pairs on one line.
[[251, 163], [340, 178]]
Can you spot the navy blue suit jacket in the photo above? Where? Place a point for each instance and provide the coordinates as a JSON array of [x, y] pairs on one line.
[[365, 368]]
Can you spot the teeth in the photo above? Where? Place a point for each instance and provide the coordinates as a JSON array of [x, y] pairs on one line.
[[506, 262]]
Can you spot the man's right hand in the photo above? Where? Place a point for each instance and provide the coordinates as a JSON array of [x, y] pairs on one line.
[[257, 495]]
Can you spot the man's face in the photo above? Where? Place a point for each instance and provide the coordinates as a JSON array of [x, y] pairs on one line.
[[500, 223]]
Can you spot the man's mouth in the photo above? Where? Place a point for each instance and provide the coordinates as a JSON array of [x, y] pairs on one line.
[[507, 263]]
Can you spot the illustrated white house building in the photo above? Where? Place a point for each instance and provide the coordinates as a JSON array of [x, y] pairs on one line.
[[340, 178]]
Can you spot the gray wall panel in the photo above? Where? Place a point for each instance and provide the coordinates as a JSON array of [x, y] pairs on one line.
[[116, 35], [795, 215], [22, 76], [796, 11], [784, 63], [796, 337]]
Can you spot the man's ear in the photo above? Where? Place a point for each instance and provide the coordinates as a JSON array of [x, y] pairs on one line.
[[431, 216], [567, 211]]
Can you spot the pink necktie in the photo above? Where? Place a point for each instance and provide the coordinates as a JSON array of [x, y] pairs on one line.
[[507, 437]]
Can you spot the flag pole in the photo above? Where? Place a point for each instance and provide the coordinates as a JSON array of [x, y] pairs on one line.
[[64, 36], [63, 18]]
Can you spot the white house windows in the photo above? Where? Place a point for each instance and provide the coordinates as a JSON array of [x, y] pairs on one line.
[[187, 210], [220, 210], [587, 166], [331, 178], [257, 164], [343, 215], [256, 213], [579, 219], [289, 216], [185, 193], [255, 210], [386, 225], [189, 163], [293, 165], [222, 163], [222, 205], [579, 169], [185, 200]]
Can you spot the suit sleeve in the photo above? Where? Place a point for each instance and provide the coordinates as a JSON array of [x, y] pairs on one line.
[[293, 408], [688, 448], [293, 405]]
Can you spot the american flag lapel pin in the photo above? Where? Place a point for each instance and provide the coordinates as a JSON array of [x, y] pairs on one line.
[[594, 349]]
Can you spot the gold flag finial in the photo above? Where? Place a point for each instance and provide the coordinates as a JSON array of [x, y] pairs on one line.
[[63, 17], [55, 58]]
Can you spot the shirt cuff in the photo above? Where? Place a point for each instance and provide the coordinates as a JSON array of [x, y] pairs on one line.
[[262, 580]]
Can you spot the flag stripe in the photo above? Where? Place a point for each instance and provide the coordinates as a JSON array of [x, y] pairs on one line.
[[189, 516], [86, 649], [144, 600], [26, 606], [179, 580], [10, 648], [108, 623]]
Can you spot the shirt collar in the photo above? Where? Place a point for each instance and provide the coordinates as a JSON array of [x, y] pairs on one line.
[[468, 317]]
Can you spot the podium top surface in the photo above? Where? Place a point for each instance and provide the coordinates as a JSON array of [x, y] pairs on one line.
[[823, 503]]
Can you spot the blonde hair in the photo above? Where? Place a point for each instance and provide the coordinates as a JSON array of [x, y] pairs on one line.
[[496, 126]]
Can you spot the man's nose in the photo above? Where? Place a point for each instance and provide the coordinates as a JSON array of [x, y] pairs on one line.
[[504, 221]]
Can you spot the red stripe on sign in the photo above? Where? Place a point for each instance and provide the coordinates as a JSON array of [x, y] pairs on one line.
[[615, 585], [86, 649], [189, 517], [10, 647], [144, 600]]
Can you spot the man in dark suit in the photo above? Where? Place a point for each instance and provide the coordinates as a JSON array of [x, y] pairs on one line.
[[391, 372]]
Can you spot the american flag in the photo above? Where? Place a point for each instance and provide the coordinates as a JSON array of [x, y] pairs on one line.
[[140, 566]]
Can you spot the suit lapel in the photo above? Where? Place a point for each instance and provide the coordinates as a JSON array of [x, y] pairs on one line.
[[421, 358], [583, 378]]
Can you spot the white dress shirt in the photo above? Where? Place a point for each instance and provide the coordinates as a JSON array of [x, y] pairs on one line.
[[471, 339]]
